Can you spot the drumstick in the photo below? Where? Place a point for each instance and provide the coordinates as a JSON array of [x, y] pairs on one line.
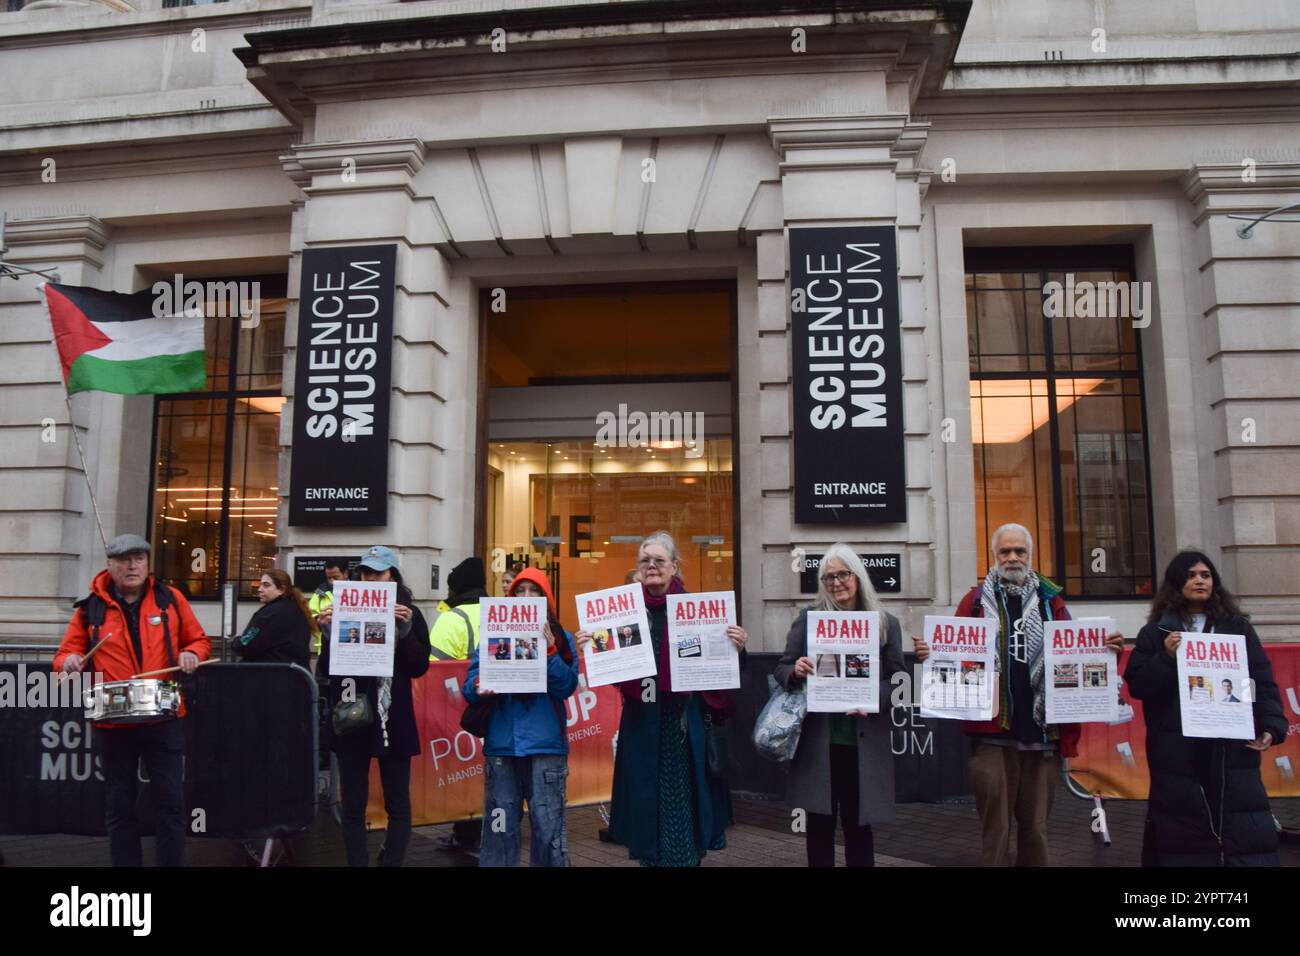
[[98, 644], [168, 670]]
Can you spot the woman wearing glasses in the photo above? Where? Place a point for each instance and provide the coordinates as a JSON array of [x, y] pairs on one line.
[[660, 769], [844, 763]]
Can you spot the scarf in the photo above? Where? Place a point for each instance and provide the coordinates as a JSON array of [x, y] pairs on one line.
[[1025, 640], [385, 702]]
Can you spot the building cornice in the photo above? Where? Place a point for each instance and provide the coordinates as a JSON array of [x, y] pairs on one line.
[[1234, 179], [660, 17]]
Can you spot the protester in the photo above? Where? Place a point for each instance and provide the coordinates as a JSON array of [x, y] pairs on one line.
[[280, 631], [145, 625], [455, 638], [844, 763], [660, 769], [1016, 757], [508, 576], [323, 597], [1207, 805], [391, 737], [527, 748]]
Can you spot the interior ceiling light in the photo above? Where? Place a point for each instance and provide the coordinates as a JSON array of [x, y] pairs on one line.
[[1007, 411]]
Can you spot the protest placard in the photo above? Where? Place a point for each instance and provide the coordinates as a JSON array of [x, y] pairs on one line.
[[845, 651], [1080, 674], [512, 645], [958, 679], [620, 647], [363, 629], [1214, 689], [700, 654]]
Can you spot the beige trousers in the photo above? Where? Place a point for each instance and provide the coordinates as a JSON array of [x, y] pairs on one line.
[[1019, 784]]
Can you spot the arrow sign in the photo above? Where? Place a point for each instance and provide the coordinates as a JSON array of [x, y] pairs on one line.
[[884, 570]]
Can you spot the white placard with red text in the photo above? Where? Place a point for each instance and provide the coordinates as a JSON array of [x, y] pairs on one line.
[[1214, 689], [620, 648], [958, 679], [845, 651], [700, 654], [1080, 673], [363, 629], [512, 645]]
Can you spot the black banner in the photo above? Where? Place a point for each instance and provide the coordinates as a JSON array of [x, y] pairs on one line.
[[884, 570], [846, 348], [339, 473], [250, 754]]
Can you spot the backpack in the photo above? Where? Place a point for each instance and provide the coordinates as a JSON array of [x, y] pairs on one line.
[[93, 607]]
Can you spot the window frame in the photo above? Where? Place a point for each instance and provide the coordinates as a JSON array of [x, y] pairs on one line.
[[1043, 260], [273, 286]]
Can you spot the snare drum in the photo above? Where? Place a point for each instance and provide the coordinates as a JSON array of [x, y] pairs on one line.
[[138, 701]]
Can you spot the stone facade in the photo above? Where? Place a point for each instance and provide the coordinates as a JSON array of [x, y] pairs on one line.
[[283, 126]]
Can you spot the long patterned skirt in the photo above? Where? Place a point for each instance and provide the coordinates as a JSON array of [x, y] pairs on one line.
[[676, 791]]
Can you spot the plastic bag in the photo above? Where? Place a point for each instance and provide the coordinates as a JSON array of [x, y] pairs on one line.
[[776, 732]]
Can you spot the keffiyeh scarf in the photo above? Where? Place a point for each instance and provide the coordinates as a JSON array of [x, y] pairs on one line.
[[1024, 641]]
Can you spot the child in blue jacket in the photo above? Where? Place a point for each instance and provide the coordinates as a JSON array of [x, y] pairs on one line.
[[527, 749]]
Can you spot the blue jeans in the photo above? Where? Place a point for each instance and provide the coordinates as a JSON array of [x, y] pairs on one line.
[[161, 746], [540, 780]]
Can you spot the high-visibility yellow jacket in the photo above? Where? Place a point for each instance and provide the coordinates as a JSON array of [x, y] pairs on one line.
[[318, 601], [455, 632]]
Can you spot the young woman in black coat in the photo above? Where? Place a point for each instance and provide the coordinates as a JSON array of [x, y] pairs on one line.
[[280, 631], [1207, 805], [391, 738]]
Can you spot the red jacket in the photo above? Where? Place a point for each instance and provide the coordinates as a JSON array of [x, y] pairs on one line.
[[116, 659], [970, 606]]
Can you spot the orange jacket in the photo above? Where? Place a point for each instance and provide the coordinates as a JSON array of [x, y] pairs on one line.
[[116, 659]]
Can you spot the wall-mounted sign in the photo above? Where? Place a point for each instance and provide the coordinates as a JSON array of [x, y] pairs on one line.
[[309, 570], [339, 474], [846, 348], [884, 570]]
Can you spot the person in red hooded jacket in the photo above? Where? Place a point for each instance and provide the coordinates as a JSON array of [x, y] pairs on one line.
[[1015, 758], [146, 626]]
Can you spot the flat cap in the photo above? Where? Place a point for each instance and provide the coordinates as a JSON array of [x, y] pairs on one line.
[[126, 544]]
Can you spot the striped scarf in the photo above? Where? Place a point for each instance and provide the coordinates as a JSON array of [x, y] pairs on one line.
[[385, 702], [1025, 640]]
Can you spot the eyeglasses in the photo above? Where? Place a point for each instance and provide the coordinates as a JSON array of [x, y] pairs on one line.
[[653, 563], [839, 577]]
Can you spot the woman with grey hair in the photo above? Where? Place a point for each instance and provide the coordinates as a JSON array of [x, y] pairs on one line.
[[666, 807], [844, 763]]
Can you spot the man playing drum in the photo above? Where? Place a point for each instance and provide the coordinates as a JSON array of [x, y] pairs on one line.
[[131, 624]]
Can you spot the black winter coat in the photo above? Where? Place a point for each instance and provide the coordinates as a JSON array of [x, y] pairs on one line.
[[410, 660], [277, 633], [1207, 805]]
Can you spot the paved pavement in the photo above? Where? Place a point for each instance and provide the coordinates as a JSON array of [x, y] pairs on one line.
[[923, 835]]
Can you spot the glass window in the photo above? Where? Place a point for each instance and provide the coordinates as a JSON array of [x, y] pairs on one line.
[[1056, 415], [216, 455], [579, 512]]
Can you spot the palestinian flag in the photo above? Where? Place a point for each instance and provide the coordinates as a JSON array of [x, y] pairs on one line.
[[109, 342]]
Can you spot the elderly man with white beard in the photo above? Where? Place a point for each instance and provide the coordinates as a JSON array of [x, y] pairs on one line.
[[1016, 757]]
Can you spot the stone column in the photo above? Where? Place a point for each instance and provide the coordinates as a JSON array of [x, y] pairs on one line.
[[839, 171], [49, 547], [360, 193], [1250, 294]]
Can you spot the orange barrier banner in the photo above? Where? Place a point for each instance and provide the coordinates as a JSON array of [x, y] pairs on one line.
[[1112, 760], [447, 777]]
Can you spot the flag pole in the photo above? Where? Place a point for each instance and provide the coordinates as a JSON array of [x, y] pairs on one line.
[[90, 488], [72, 424]]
